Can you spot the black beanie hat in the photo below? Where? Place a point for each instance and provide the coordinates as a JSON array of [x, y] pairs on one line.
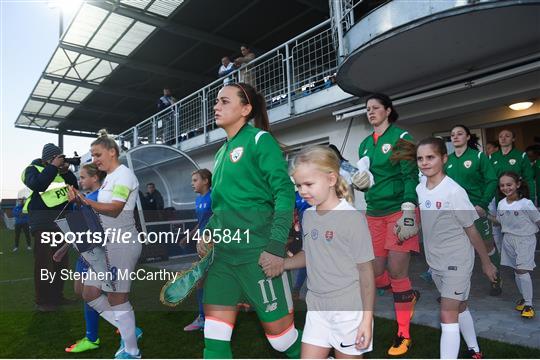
[[50, 151]]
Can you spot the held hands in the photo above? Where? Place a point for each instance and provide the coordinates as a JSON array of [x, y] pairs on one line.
[[363, 336], [60, 253], [481, 212], [204, 245], [407, 226], [272, 265], [489, 270]]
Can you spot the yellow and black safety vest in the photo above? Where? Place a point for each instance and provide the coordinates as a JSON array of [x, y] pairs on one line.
[[54, 195]]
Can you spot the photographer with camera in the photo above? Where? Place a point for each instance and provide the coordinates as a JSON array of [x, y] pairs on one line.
[[48, 179]]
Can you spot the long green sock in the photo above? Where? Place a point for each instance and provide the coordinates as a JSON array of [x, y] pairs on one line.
[[293, 352], [217, 349]]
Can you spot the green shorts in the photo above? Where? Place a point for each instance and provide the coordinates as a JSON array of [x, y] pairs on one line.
[[228, 284], [484, 227]]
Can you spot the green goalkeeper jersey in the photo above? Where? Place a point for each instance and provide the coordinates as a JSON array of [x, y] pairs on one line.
[[536, 168], [395, 183], [473, 172], [516, 161], [252, 198]]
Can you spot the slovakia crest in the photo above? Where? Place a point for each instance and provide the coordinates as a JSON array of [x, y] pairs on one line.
[[467, 163], [236, 154], [512, 161], [329, 235], [438, 204], [386, 148]]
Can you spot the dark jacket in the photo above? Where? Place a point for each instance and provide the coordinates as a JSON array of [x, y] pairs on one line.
[[153, 201], [41, 217], [20, 218]]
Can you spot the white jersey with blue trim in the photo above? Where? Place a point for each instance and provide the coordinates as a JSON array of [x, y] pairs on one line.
[[445, 211]]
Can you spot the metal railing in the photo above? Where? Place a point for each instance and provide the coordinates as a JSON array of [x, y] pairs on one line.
[[299, 67]]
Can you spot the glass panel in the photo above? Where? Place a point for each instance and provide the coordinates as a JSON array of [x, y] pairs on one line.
[[111, 30], [63, 91], [33, 106], [164, 7], [85, 24], [45, 88], [133, 38], [80, 94]]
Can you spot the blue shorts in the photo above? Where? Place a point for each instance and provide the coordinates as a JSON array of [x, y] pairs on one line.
[[81, 266]]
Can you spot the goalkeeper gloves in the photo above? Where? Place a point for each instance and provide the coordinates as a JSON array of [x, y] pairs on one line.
[[407, 226], [362, 179]]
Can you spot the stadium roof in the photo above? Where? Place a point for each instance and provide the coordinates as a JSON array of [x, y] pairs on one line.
[[117, 55]]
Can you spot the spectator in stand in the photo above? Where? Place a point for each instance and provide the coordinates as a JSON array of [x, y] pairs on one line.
[[491, 147], [247, 56], [21, 224], [226, 66], [153, 199], [245, 75], [166, 100]]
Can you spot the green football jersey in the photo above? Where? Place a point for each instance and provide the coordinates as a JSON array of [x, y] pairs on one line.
[[516, 161], [395, 183], [536, 168], [252, 197], [473, 172]]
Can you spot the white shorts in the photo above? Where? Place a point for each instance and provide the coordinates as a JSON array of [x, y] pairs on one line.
[[452, 285], [334, 329], [518, 251], [122, 260]]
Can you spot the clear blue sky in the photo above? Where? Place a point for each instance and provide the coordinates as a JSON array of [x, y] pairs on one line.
[[29, 36]]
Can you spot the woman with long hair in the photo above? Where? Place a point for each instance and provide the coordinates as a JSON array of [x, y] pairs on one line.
[[252, 205], [391, 210]]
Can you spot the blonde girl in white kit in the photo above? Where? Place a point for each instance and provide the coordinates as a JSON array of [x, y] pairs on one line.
[[338, 254]]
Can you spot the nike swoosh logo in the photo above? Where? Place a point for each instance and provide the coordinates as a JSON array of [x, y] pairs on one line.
[[344, 346], [456, 293]]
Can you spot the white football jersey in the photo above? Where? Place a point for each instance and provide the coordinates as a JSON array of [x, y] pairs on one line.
[[444, 211]]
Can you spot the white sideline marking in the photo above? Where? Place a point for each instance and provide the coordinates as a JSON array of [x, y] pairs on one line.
[[15, 280]]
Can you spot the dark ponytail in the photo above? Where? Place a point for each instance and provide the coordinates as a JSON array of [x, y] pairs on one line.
[[523, 188], [473, 139], [249, 95], [386, 102], [438, 145]]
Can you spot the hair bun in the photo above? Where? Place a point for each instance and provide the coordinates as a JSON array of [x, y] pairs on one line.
[[103, 133]]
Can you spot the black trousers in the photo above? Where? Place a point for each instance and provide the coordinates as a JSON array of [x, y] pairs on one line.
[[47, 292], [24, 228]]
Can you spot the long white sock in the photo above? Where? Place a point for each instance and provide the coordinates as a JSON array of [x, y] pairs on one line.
[[526, 288], [126, 324], [518, 283], [103, 307], [466, 326], [450, 341]]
